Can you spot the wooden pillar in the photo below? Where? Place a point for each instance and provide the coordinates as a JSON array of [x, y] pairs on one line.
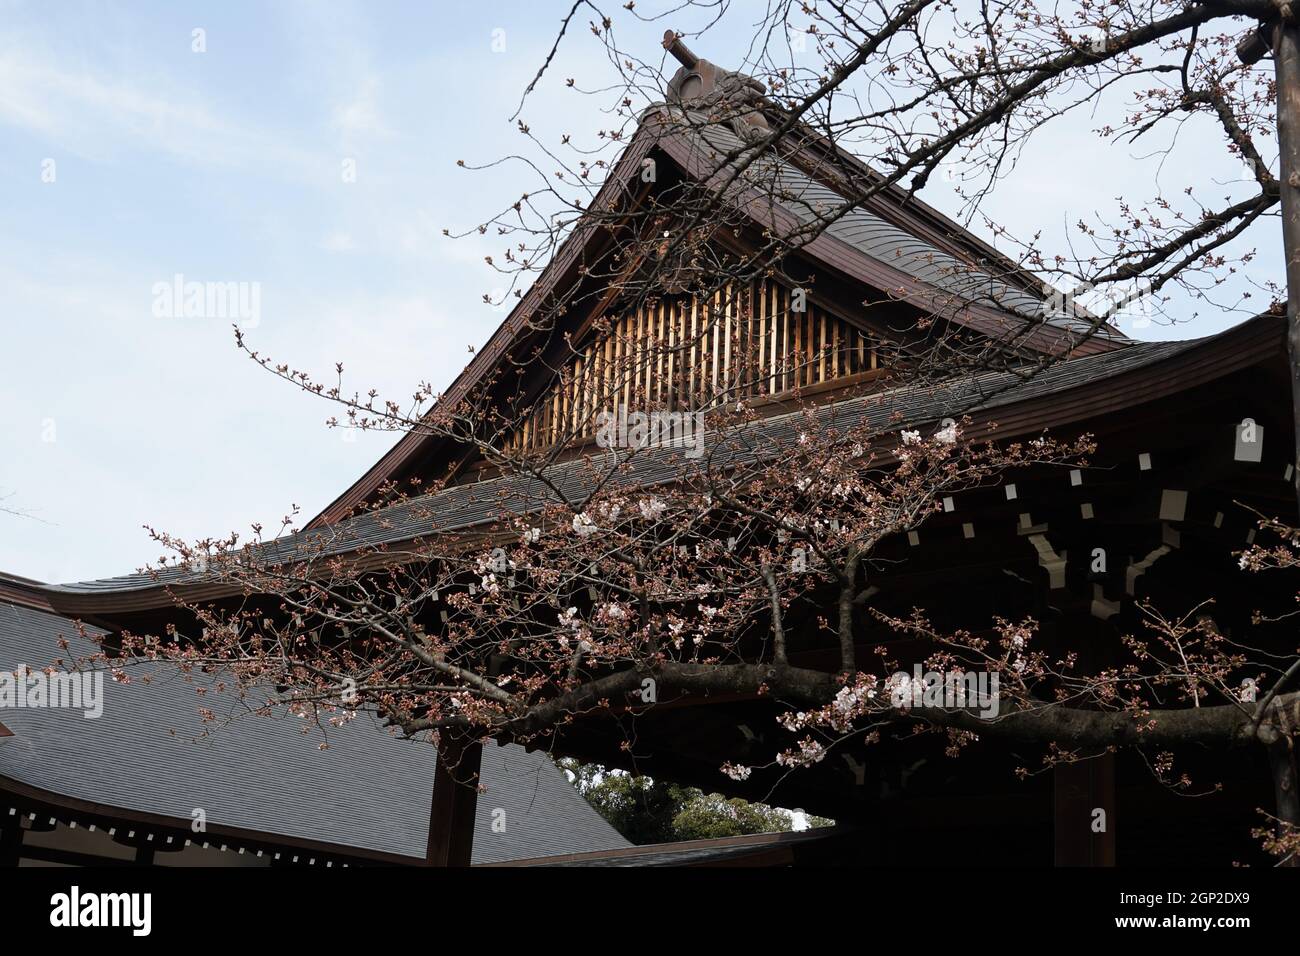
[[11, 842], [1081, 790], [455, 799], [1084, 788]]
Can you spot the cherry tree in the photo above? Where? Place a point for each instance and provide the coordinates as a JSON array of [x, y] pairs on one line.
[[598, 581]]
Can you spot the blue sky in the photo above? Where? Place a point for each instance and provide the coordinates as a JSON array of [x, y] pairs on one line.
[[225, 166]]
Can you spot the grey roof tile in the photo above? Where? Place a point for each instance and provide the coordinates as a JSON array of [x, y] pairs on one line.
[[370, 790], [809, 199]]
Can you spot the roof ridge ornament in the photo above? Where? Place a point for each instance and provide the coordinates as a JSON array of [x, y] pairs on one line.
[[701, 85]]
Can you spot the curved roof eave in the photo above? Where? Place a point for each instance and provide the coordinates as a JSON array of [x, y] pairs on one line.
[[1061, 394]]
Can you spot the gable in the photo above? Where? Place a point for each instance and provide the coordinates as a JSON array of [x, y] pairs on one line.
[[876, 254]]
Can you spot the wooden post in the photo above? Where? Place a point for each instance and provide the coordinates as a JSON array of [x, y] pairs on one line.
[[1084, 792], [11, 842], [1286, 62], [1081, 790], [455, 799]]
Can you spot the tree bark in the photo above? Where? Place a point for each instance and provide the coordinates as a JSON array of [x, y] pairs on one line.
[[1286, 787]]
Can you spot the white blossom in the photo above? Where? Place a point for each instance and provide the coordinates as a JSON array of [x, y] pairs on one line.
[[652, 508], [810, 751], [846, 699]]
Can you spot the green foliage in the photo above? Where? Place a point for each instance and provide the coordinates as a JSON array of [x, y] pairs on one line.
[[705, 816], [650, 811]]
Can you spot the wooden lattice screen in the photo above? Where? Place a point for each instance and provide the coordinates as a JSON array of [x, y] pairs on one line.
[[681, 354]]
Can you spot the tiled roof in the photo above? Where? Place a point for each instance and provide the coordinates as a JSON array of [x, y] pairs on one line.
[[810, 201], [370, 790]]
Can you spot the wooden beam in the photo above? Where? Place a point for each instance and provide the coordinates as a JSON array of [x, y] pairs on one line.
[[48, 854], [455, 798]]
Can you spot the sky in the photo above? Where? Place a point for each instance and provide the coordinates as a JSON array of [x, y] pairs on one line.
[[306, 151]]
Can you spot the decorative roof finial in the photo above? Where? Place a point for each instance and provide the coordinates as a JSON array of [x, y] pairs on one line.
[[702, 85], [674, 45]]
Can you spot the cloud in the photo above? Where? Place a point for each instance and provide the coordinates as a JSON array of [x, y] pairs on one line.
[[337, 241], [358, 114], [99, 118]]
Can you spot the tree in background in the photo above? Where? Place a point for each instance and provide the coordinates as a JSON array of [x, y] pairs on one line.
[[652, 811]]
